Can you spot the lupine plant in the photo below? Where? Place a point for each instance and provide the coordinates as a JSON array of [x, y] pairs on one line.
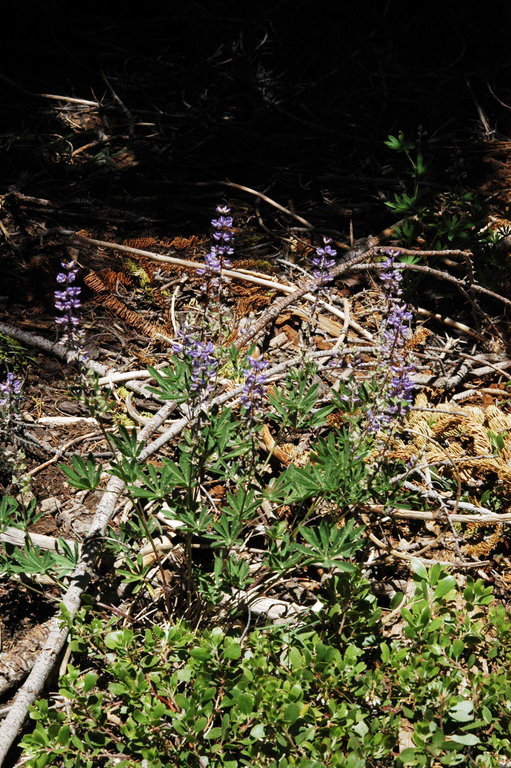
[[218, 257], [216, 260], [10, 391], [323, 261], [12, 455], [191, 671], [254, 388], [202, 363], [67, 304], [394, 369]]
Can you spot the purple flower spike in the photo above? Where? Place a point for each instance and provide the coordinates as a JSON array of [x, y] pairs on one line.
[[68, 302], [254, 388], [324, 260], [397, 393], [203, 363], [218, 257], [10, 391]]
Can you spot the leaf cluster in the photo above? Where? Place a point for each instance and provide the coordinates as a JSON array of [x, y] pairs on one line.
[[289, 698]]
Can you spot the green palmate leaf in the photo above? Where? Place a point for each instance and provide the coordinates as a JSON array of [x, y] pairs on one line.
[[135, 573], [294, 403], [159, 482], [283, 554], [12, 513], [399, 143], [65, 556], [225, 533], [174, 381], [242, 504], [84, 475], [335, 474], [127, 442], [329, 545], [407, 232], [33, 559], [404, 204], [222, 440], [8, 511], [295, 484]]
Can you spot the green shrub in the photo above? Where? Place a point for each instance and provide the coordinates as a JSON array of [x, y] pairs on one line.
[[285, 697]]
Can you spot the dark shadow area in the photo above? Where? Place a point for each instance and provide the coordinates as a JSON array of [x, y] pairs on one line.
[[294, 98]]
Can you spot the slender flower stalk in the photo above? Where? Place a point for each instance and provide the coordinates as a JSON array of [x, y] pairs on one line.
[[67, 302]]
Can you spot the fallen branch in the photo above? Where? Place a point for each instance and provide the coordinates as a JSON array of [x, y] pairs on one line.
[[279, 611], [62, 352], [259, 195], [59, 452], [18, 538], [461, 284], [417, 514], [394, 553]]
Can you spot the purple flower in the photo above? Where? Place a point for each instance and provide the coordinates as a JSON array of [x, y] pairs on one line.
[[391, 279], [10, 391], [203, 363], [254, 388], [324, 260], [68, 302], [218, 257]]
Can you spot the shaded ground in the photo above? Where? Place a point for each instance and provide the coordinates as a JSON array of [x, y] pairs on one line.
[[294, 99]]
